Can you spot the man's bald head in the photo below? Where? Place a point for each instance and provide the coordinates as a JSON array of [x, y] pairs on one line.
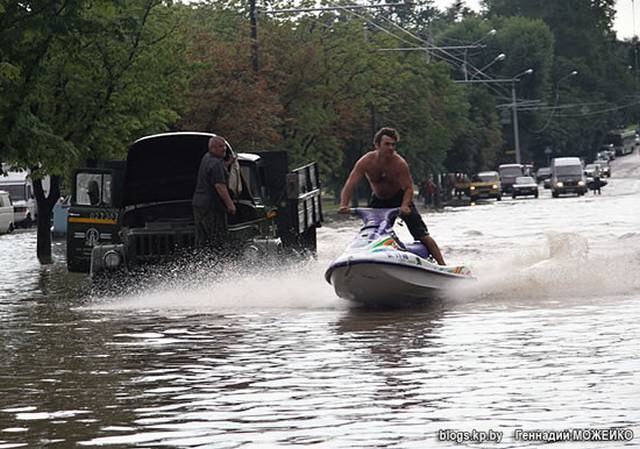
[[217, 146]]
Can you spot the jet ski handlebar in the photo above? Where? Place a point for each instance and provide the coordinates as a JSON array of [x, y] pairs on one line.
[[382, 219]]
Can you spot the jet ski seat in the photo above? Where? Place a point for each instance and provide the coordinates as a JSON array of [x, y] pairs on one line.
[[418, 249]]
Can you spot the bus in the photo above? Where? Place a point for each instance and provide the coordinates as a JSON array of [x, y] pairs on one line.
[[623, 141]]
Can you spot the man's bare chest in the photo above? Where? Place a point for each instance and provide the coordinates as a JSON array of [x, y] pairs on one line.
[[383, 174]]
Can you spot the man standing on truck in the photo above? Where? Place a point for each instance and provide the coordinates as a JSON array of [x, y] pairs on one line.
[[211, 199], [390, 179]]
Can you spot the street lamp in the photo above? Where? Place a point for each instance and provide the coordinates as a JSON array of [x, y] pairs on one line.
[[516, 136], [490, 33], [573, 73], [500, 57], [475, 44]]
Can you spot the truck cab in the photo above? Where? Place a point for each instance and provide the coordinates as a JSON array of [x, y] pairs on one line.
[[139, 212], [567, 176], [508, 174]]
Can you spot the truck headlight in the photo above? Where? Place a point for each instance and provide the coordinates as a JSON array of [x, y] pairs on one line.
[[112, 259], [580, 183], [472, 188], [559, 184], [495, 186]]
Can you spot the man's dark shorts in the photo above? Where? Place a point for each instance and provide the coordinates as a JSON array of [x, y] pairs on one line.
[[416, 225], [211, 227]]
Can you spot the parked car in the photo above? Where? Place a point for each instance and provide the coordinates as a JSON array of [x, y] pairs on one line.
[[485, 184], [524, 186], [7, 220], [543, 173], [20, 187], [591, 170], [606, 152], [605, 168]]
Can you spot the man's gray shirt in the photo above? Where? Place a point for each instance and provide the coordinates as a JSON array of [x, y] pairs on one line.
[[211, 172]]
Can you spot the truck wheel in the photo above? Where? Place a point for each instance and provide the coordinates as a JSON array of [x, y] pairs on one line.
[[11, 227], [498, 198], [513, 196], [28, 222], [535, 195], [554, 194]]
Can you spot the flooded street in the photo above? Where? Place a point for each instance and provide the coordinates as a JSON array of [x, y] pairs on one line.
[[547, 339]]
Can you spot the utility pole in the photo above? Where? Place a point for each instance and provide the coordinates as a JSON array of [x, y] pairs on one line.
[[254, 35], [516, 133], [514, 104], [464, 66]]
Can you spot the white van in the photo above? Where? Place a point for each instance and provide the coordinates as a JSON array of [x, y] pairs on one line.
[[6, 213], [18, 184], [567, 176]]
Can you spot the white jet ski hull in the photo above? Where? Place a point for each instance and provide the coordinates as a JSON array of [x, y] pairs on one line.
[[382, 283], [378, 269]]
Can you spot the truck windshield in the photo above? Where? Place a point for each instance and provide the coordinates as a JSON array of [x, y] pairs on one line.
[[251, 181], [569, 170], [93, 189], [17, 192], [484, 178], [511, 171]]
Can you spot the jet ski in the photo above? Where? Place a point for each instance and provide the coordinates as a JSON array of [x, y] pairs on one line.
[[378, 269]]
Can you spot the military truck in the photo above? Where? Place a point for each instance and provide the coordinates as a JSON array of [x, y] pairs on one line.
[[126, 214]]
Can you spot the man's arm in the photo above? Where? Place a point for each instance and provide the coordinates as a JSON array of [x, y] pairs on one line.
[[406, 184], [217, 178], [355, 176], [223, 192]]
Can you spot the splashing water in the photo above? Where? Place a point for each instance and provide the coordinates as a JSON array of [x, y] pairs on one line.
[[563, 266], [200, 288]]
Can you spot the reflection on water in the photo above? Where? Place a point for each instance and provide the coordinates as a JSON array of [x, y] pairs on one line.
[[547, 339], [350, 378]]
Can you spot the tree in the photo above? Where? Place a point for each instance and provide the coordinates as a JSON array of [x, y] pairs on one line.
[[86, 77], [598, 98]]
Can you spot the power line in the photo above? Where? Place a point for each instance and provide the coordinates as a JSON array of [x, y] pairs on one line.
[[602, 111], [331, 8]]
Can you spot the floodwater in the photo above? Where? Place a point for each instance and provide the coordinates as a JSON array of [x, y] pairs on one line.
[[228, 357]]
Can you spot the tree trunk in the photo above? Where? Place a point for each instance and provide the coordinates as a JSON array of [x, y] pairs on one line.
[[45, 212]]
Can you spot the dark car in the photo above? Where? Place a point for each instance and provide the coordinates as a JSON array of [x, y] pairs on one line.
[[543, 173], [524, 186]]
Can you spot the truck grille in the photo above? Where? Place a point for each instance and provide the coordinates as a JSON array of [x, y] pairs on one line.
[[152, 246]]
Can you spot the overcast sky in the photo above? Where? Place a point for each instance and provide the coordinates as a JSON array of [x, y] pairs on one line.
[[624, 17]]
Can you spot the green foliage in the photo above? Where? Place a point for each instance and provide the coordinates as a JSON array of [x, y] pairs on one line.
[[82, 79], [321, 92], [582, 108], [85, 79], [477, 148]]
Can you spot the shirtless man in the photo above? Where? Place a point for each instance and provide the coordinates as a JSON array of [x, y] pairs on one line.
[[390, 179]]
